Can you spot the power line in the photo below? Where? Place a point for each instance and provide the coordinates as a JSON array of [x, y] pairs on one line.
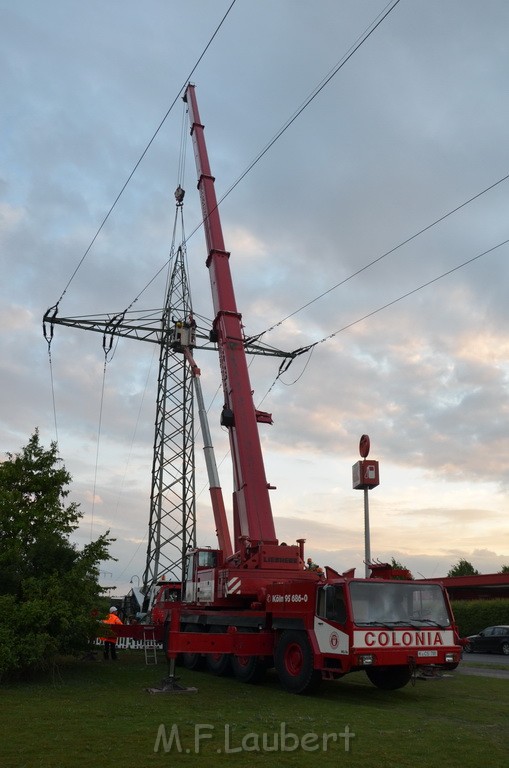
[[151, 141], [310, 347], [325, 81], [379, 258], [302, 350]]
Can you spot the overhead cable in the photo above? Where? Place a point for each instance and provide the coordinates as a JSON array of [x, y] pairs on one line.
[[302, 350], [310, 347], [110, 211], [379, 258], [325, 81]]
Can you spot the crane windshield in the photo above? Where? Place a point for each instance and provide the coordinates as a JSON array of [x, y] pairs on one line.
[[397, 603]]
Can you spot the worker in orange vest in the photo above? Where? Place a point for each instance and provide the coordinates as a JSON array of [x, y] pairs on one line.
[[110, 642]]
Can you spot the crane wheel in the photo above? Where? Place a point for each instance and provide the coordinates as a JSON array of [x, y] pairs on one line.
[[389, 678], [249, 669], [193, 660], [218, 663], [294, 663]]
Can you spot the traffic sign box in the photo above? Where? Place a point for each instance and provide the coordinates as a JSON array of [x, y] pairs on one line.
[[365, 474]]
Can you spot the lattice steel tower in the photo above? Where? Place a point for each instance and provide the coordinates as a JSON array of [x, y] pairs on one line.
[[172, 523]]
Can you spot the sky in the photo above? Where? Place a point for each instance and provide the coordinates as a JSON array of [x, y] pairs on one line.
[[347, 204]]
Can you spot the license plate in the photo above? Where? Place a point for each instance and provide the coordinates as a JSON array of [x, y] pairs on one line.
[[427, 653]]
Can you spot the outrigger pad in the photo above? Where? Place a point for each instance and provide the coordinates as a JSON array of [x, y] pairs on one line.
[[171, 685]]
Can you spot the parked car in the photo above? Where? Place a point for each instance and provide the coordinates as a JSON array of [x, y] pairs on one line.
[[490, 640]]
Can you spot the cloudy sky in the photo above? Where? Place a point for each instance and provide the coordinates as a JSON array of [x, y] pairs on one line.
[[413, 126]]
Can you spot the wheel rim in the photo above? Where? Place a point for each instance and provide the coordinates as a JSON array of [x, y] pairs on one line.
[[505, 649], [215, 659], [294, 659]]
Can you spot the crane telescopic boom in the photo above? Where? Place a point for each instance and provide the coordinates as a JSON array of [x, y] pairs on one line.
[[216, 494], [252, 513]]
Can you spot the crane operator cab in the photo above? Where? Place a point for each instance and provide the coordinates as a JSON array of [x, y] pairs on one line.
[[200, 575]]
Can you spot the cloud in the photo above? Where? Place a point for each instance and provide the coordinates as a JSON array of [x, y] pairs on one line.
[[409, 129]]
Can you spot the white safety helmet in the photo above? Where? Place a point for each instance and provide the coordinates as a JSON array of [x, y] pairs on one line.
[[113, 609]]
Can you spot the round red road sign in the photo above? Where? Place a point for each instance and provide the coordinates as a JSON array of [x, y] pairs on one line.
[[364, 446]]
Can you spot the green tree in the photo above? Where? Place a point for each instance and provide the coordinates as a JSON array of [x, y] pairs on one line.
[[396, 565], [504, 569], [49, 588], [463, 568]]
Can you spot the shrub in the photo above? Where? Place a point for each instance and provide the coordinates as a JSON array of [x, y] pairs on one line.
[[474, 615]]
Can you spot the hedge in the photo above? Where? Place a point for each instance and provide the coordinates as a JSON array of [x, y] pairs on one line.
[[474, 615]]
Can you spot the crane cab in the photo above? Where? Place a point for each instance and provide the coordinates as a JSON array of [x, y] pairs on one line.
[[201, 575]]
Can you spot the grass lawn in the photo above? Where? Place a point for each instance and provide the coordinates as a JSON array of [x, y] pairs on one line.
[[99, 715]]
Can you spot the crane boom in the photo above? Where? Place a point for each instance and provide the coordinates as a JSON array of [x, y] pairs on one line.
[[252, 513], [216, 494]]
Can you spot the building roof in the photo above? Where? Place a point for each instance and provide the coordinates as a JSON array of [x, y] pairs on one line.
[[481, 586]]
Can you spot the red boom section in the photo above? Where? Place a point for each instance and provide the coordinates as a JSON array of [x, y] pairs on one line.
[[252, 511]]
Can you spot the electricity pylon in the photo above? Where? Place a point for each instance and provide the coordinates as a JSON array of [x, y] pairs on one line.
[[172, 521]]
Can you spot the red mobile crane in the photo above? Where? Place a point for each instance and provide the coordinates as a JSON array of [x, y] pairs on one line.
[[259, 606]]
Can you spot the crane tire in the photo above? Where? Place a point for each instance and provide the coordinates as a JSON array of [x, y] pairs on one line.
[[293, 660], [389, 678], [192, 660], [218, 663], [249, 669]]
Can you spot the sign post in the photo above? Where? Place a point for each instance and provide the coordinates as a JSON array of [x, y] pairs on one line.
[[365, 475]]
